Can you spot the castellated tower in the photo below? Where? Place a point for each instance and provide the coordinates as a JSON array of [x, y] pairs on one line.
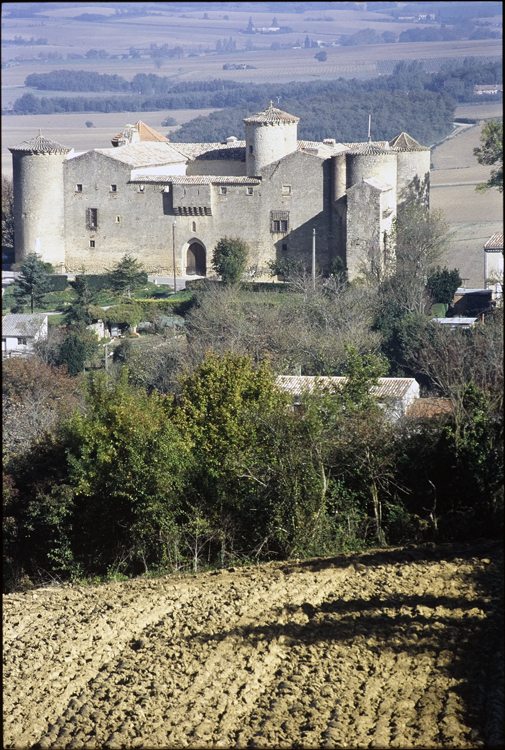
[[269, 136], [39, 200]]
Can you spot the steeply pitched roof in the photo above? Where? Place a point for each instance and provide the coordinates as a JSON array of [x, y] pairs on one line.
[[41, 145], [404, 142], [144, 154], [19, 324], [367, 148], [272, 115], [495, 243], [146, 133]]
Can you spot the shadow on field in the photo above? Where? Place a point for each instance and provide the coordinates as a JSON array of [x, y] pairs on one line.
[[464, 636]]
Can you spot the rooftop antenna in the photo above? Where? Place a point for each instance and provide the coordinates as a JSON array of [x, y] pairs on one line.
[[369, 127]]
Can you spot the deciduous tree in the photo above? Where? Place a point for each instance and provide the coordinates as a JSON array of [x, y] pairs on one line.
[[229, 259], [491, 152]]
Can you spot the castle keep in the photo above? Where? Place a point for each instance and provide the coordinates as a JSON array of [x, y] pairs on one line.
[[271, 190]]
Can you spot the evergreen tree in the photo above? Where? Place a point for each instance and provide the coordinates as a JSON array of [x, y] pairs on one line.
[[78, 312], [229, 259], [73, 354], [306, 43], [32, 284], [442, 284], [127, 275]]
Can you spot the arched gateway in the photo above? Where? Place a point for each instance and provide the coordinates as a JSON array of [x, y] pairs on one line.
[[196, 260]]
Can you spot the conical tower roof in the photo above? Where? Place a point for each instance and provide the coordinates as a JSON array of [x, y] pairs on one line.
[[41, 145], [272, 115], [365, 149], [405, 142]]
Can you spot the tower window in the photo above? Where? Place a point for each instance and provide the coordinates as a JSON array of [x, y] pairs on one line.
[[284, 247], [113, 188], [118, 220], [193, 226], [223, 190], [78, 188], [92, 218], [92, 243], [141, 188], [250, 191], [286, 189], [251, 149]]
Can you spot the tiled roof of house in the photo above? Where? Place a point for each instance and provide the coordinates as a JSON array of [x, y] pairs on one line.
[[41, 145], [144, 154], [272, 115], [146, 133], [387, 387], [495, 242], [22, 324], [194, 179], [405, 142]]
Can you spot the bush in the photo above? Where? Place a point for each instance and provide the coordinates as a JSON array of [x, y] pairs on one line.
[[230, 258]]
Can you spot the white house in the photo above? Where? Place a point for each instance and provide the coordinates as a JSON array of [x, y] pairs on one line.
[[21, 331], [493, 264], [393, 394]]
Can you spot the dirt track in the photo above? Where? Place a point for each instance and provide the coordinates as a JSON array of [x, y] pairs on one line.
[[396, 648]]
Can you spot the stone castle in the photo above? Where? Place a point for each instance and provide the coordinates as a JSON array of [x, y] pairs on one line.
[[159, 200]]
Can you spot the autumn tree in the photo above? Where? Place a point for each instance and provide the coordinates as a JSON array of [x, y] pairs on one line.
[[491, 153]]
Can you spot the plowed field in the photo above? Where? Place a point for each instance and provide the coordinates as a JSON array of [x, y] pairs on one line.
[[390, 648]]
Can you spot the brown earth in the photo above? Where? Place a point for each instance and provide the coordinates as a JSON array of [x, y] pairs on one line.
[[390, 648]]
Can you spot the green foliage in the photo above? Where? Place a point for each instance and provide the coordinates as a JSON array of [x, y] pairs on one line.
[[321, 56], [7, 213], [96, 282], [442, 284], [80, 310], [127, 275], [491, 152], [57, 282], [229, 259], [32, 285], [73, 354]]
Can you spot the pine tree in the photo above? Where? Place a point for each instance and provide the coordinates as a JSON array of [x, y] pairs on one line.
[[32, 284], [127, 275]]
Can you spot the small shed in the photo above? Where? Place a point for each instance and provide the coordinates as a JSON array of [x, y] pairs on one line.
[[21, 330], [393, 394], [493, 265]]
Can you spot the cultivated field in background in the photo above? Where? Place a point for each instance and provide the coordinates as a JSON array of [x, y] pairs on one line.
[[70, 130]]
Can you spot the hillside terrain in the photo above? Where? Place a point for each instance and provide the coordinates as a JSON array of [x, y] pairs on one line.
[[391, 648]]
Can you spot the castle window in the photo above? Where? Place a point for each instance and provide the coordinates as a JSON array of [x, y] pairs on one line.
[[279, 221], [284, 247], [78, 188], [193, 226], [141, 188], [118, 220], [250, 191], [92, 243], [286, 189], [92, 218], [113, 188], [251, 149], [223, 190]]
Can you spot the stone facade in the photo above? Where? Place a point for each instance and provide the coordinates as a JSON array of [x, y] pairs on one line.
[[271, 190]]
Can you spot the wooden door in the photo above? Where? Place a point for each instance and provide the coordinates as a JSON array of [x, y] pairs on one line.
[[196, 260]]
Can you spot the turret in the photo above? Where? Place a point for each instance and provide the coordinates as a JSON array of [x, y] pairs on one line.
[[39, 199], [414, 163], [269, 136]]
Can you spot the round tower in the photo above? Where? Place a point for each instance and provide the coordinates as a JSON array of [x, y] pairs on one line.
[[269, 136], [366, 160], [37, 167], [414, 163]]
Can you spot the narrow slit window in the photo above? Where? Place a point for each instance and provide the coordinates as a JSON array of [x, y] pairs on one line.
[[92, 243], [193, 226], [118, 220], [92, 218], [251, 149]]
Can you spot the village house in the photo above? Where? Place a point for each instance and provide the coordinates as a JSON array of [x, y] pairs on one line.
[[21, 331]]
